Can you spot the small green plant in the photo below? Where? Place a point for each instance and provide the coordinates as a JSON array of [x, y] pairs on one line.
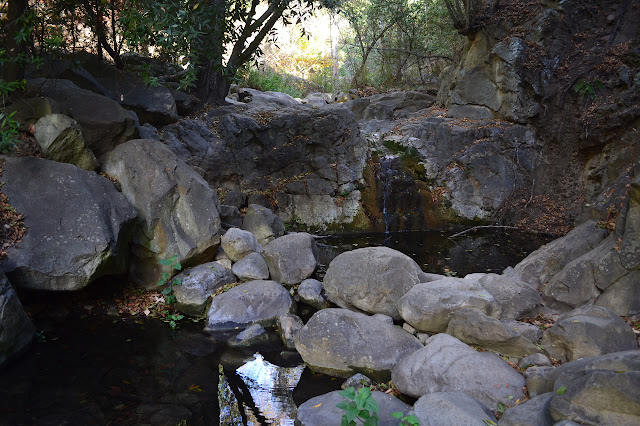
[[586, 88], [489, 422], [175, 265], [358, 405], [173, 319], [561, 390], [406, 420], [9, 132]]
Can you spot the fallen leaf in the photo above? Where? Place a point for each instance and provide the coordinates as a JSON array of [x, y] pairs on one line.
[[316, 406]]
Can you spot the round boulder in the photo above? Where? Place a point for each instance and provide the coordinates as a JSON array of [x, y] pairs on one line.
[[371, 279], [341, 343], [291, 258], [197, 286], [238, 243]]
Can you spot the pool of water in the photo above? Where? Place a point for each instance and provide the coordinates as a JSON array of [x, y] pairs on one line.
[[84, 369]]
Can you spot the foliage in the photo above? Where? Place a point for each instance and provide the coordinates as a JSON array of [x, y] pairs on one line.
[[587, 89], [9, 132], [406, 420], [175, 265], [268, 79], [468, 15], [358, 405]]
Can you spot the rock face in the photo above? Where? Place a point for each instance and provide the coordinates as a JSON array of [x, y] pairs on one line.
[[60, 139], [177, 210], [451, 408], [322, 409], [238, 243], [254, 302], [586, 332], [429, 306], [303, 155], [81, 235], [105, 124], [341, 343], [291, 258], [446, 364], [16, 329], [371, 279], [198, 284], [388, 106]]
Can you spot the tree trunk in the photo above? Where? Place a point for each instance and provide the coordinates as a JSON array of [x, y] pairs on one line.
[[212, 86], [13, 69]]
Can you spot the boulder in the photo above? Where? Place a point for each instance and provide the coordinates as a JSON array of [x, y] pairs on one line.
[[322, 409], [429, 306], [155, 105], [177, 210], [504, 337], [371, 279], [288, 327], [16, 329], [252, 335], [539, 380], [602, 397], [230, 216], [251, 267], [586, 332], [254, 302], [623, 297], [451, 408], [341, 343], [445, 364], [105, 124], [238, 243], [536, 359], [541, 265], [533, 412], [291, 258], [516, 298], [311, 292], [257, 98], [81, 235], [356, 381], [263, 224], [198, 284], [60, 139]]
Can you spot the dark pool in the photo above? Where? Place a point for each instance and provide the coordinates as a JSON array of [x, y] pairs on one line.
[[84, 369]]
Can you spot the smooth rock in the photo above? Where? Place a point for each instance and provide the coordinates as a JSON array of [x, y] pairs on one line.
[[238, 243], [263, 223], [451, 408], [340, 342], [291, 258], [254, 302], [371, 279], [430, 306], [198, 284], [288, 326], [60, 139], [81, 235], [516, 298], [586, 332], [311, 292], [251, 267], [445, 364], [533, 412], [250, 336]]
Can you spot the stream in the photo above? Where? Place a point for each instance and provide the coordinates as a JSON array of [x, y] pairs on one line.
[[84, 369]]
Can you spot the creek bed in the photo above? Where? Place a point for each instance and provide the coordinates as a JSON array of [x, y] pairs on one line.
[[95, 369]]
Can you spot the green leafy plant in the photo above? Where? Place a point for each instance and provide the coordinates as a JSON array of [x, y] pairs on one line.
[[173, 319], [175, 265], [586, 88], [561, 390], [358, 405], [9, 132], [406, 420]]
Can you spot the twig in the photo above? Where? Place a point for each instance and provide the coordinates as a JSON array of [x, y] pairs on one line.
[[482, 227]]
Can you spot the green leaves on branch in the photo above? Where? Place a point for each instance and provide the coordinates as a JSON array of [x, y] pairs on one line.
[[406, 420], [175, 265]]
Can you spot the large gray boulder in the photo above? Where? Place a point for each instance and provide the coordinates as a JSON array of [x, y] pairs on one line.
[[322, 410], [445, 364], [601, 397], [541, 265], [60, 139], [238, 243], [198, 284], [177, 210], [251, 267], [371, 279], [291, 258], [428, 307], [508, 338], [16, 329], [263, 223], [341, 343], [105, 124], [533, 412], [78, 225], [516, 298], [586, 332], [451, 408], [254, 302]]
